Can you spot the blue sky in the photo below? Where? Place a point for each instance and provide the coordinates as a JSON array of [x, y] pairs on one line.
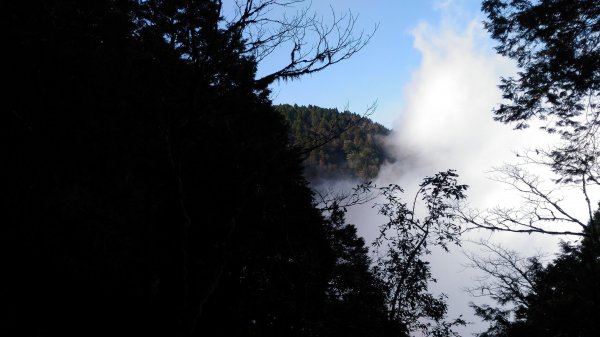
[[381, 70]]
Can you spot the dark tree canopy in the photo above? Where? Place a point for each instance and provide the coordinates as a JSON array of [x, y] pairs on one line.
[[153, 188], [560, 299], [355, 304], [556, 45]]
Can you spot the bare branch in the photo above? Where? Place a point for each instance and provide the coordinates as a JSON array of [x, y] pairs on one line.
[[313, 44], [541, 209], [507, 276], [330, 199]]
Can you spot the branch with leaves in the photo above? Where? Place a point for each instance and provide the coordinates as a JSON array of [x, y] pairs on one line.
[[410, 231], [406, 238]]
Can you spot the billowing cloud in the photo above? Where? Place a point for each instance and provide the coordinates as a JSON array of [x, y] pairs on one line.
[[447, 124]]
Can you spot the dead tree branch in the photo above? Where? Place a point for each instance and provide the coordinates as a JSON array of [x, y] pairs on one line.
[[313, 43]]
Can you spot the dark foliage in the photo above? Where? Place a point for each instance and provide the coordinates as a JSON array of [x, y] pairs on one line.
[[353, 147], [564, 298], [555, 43], [556, 46], [152, 187], [405, 240], [355, 303]]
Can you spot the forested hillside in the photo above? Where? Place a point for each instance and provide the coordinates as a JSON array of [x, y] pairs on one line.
[[340, 144]]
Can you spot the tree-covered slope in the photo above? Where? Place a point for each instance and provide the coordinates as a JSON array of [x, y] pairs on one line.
[[338, 144]]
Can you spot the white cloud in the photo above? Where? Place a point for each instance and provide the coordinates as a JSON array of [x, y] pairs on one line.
[[447, 121], [447, 124]]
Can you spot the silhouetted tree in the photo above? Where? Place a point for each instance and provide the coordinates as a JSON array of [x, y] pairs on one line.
[[153, 187], [560, 299], [542, 208], [400, 270], [355, 304], [405, 240], [508, 278], [555, 44], [312, 43]]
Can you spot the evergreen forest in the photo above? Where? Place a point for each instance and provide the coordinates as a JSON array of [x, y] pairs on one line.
[[338, 145]]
